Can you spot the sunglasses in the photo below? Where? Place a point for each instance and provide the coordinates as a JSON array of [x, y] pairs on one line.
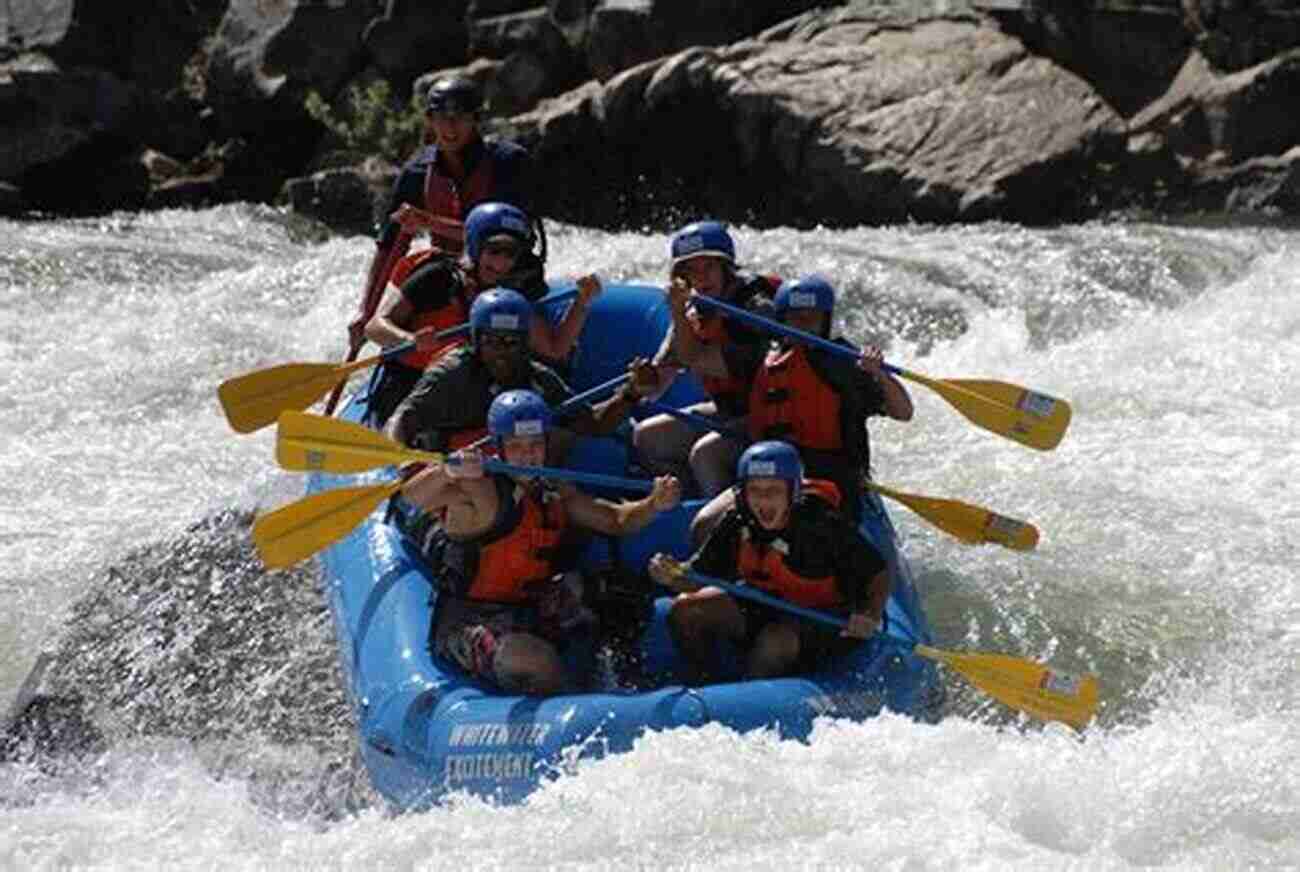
[[502, 249], [504, 341], [451, 116]]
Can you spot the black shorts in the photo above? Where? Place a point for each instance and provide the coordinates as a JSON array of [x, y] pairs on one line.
[[395, 382], [819, 645]]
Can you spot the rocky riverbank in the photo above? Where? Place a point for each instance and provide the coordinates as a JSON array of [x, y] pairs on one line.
[[793, 113]]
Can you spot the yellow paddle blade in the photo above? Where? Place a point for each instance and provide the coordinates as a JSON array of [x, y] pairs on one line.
[[1025, 686], [973, 525], [1025, 416], [315, 443], [297, 531], [255, 400], [1053, 413]]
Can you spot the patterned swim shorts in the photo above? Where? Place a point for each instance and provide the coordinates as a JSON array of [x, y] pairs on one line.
[[467, 632]]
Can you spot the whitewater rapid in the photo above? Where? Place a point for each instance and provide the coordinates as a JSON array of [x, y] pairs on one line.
[[1169, 517]]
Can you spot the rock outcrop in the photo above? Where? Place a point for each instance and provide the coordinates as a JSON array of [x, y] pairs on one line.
[[774, 111]]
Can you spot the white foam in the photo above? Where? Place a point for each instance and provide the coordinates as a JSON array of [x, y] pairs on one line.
[[1167, 563]]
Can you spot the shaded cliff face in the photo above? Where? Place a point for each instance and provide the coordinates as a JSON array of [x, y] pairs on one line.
[[643, 112]]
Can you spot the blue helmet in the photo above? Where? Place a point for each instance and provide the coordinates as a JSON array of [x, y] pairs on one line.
[[518, 413], [771, 459], [700, 239], [454, 94], [809, 292], [499, 309], [495, 219]]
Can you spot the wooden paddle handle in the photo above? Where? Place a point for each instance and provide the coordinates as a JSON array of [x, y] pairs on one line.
[[338, 388], [380, 271]]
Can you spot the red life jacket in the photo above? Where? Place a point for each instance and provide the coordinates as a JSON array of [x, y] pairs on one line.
[[463, 438], [765, 568], [455, 313], [789, 401], [513, 561], [445, 196], [442, 196], [715, 329]]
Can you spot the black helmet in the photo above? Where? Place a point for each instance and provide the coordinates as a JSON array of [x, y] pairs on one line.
[[454, 94]]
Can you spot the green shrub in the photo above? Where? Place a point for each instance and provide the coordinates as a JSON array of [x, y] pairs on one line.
[[369, 119]]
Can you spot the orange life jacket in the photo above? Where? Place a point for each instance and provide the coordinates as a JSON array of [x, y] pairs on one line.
[[789, 401], [455, 313], [513, 561], [765, 568]]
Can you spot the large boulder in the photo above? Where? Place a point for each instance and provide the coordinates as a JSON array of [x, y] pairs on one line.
[[1128, 52], [412, 37], [616, 36], [345, 199], [1236, 34], [861, 115], [148, 45], [47, 113], [1227, 118], [113, 55], [12, 201], [264, 61], [1263, 185], [536, 60], [67, 138], [266, 57]]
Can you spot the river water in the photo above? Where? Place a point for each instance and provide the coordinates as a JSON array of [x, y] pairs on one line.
[[1170, 518]]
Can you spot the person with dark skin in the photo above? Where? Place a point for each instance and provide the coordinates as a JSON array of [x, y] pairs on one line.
[[506, 608], [817, 401], [434, 293], [447, 409], [722, 353], [436, 190], [786, 537]]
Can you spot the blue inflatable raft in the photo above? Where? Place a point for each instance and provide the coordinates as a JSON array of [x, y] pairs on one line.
[[428, 730]]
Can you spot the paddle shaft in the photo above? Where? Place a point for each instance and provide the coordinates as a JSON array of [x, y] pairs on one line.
[[410, 345], [752, 593], [1021, 684], [389, 354], [595, 479], [373, 294], [1031, 418], [789, 332], [949, 517], [337, 390], [300, 529], [694, 420], [571, 403], [460, 329]]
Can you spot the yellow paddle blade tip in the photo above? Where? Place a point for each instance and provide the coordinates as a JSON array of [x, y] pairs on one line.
[[1034, 419], [1033, 688], [298, 530], [1072, 698], [1010, 533], [1044, 420]]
